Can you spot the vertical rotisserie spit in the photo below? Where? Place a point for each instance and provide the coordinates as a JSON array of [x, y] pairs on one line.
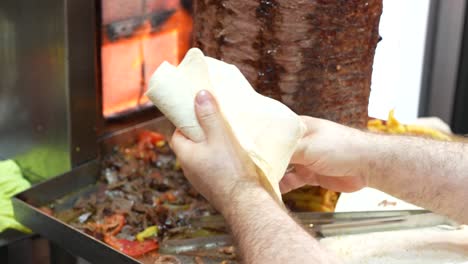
[[315, 56]]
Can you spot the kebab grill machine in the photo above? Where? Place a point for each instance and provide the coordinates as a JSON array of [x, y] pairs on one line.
[[74, 73]]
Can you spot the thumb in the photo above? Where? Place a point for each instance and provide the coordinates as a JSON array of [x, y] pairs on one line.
[[179, 142], [208, 115], [300, 153]]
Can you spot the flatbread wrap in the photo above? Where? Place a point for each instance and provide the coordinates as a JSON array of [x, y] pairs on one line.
[[266, 129]]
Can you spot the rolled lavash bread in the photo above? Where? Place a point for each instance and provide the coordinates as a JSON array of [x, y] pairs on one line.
[[266, 129]]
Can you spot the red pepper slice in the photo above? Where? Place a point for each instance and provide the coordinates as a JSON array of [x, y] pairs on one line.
[[111, 224], [147, 140], [150, 136], [168, 196], [131, 248]]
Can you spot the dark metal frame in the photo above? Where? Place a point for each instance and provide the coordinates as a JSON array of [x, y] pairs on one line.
[[460, 108], [429, 50], [441, 63]]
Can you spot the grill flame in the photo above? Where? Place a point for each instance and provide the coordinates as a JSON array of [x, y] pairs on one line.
[[128, 63]]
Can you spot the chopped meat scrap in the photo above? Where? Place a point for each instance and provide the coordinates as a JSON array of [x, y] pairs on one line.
[[198, 260], [227, 250], [139, 194], [167, 260]]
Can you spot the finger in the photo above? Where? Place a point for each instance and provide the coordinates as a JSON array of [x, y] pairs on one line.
[[300, 153], [179, 142], [334, 183], [311, 124], [208, 115], [340, 184], [294, 180], [306, 174], [290, 182]]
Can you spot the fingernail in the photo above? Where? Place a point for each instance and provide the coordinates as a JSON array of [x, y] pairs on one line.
[[203, 98]]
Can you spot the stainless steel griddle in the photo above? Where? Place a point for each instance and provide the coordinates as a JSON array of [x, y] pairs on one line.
[[64, 190]]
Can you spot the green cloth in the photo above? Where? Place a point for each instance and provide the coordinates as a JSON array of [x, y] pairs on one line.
[[11, 183]]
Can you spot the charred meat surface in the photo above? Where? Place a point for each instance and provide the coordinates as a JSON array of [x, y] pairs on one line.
[[315, 56]]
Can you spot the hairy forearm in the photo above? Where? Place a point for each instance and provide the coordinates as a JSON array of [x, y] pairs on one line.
[[265, 233], [431, 174]]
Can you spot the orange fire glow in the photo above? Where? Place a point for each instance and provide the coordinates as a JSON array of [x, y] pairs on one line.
[[127, 64]]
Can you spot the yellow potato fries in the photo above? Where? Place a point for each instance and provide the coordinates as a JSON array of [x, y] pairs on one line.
[[393, 126]]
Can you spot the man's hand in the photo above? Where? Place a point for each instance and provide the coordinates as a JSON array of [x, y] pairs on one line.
[[330, 155], [428, 173], [221, 171], [217, 167]]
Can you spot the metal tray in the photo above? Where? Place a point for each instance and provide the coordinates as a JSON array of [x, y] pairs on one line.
[[27, 204], [63, 191]]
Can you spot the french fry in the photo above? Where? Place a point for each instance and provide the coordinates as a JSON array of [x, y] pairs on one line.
[[393, 126]]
